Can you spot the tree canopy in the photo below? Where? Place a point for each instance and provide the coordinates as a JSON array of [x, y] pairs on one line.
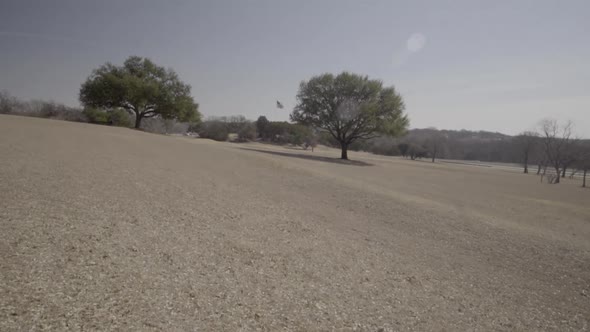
[[350, 107], [141, 88]]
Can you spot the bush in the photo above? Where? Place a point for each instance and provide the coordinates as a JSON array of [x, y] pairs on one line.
[[283, 132], [52, 110], [299, 134], [326, 139], [193, 127], [233, 123], [119, 118], [215, 130], [96, 116], [416, 151], [247, 132], [153, 125], [8, 103], [39, 108], [403, 149]]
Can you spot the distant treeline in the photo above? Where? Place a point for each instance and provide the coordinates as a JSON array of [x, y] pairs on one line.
[[448, 144]]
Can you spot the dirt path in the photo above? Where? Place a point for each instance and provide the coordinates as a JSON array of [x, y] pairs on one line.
[[111, 229]]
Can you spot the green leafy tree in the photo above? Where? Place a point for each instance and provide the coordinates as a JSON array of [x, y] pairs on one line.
[[141, 88], [350, 107], [262, 126]]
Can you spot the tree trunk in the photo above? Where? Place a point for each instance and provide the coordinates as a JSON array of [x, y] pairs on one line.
[[433, 156], [563, 172], [344, 151], [539, 169], [557, 175], [584, 180], [138, 118], [526, 164]]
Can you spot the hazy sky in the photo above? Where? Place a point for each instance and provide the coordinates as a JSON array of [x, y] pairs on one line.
[[491, 65]]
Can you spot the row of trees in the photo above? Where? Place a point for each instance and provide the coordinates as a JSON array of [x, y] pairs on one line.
[[278, 132], [283, 132], [348, 107], [554, 146], [219, 128]]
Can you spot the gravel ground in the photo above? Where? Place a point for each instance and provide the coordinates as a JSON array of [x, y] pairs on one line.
[[113, 229]]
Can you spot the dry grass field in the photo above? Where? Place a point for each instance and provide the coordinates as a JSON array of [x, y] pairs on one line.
[[106, 228]]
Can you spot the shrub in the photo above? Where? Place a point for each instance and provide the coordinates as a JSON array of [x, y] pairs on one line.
[[119, 118], [194, 127], [403, 149], [50, 110], [383, 145], [74, 115], [96, 116], [214, 129], [8, 103], [283, 132], [233, 123], [416, 151], [247, 132], [299, 134]]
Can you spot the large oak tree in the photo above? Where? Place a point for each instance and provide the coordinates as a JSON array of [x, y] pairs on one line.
[[141, 88], [350, 107]]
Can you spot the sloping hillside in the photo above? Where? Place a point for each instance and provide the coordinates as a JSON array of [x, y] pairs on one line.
[[105, 228]]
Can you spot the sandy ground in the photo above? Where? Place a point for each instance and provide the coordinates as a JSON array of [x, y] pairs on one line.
[[112, 229]]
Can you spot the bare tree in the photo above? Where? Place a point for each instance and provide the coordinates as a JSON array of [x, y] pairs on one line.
[[583, 161], [436, 144], [527, 143], [541, 162], [558, 144], [572, 154], [585, 170]]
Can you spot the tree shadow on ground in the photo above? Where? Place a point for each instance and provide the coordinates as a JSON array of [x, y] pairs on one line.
[[310, 157]]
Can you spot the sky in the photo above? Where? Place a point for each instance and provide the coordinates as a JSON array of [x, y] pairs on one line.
[[477, 65]]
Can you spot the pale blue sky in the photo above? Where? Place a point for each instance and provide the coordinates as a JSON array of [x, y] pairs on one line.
[[491, 65]]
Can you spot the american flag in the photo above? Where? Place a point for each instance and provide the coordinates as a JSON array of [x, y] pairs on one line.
[[279, 105]]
